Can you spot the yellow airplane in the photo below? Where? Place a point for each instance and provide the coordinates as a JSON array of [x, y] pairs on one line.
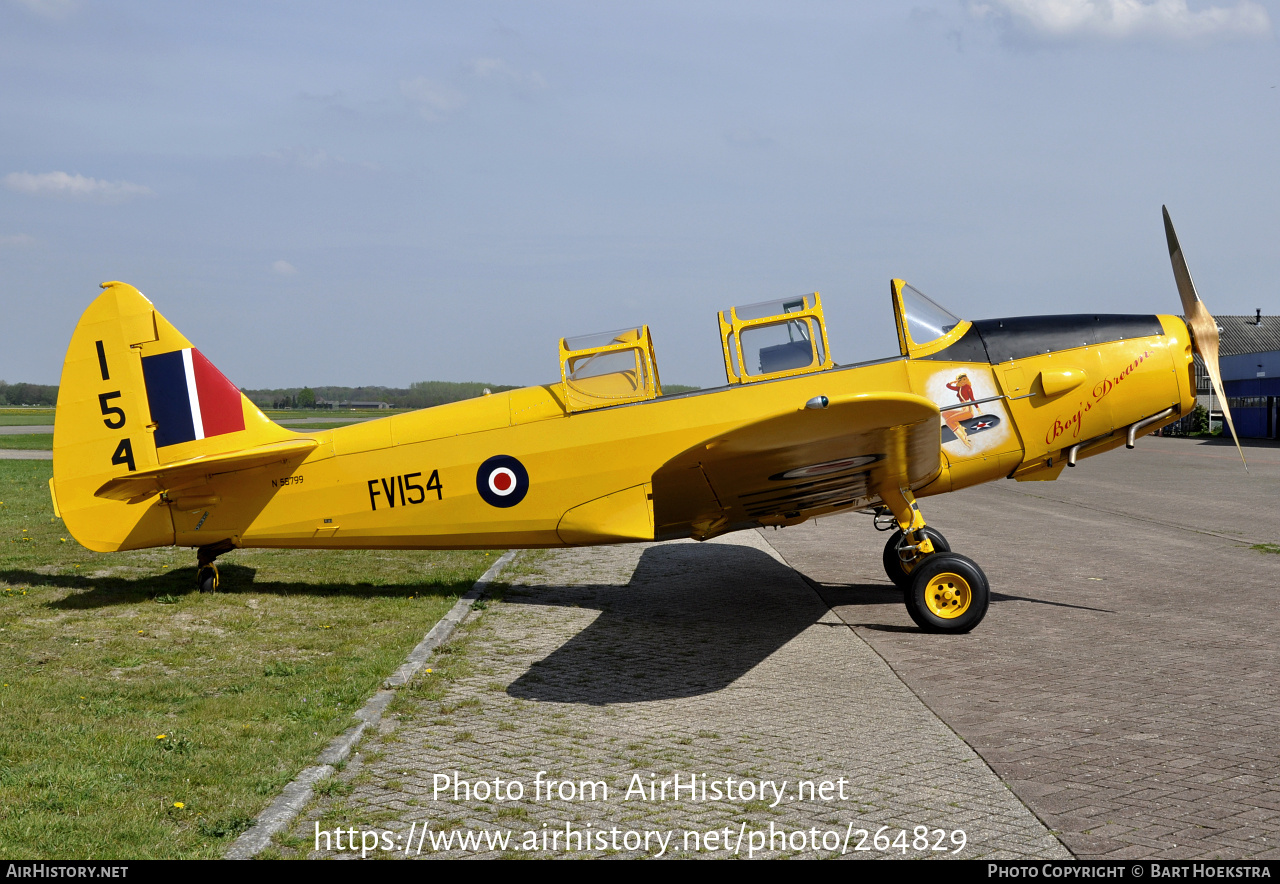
[[153, 446]]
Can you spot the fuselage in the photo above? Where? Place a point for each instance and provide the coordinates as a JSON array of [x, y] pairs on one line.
[[410, 480]]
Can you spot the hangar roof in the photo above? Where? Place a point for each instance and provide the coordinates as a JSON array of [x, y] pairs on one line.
[[1240, 335], [1248, 334]]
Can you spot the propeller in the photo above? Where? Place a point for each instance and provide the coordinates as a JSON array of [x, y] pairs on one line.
[[1204, 328]]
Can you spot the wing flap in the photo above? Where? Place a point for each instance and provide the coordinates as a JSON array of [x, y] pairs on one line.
[[144, 484]]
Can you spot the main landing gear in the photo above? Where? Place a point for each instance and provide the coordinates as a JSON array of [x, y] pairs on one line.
[[206, 571], [943, 591]]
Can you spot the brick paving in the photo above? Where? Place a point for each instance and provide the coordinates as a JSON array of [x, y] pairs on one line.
[[1124, 683], [684, 659]]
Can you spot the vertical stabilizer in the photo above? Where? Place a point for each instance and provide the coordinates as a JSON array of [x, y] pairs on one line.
[[135, 394]]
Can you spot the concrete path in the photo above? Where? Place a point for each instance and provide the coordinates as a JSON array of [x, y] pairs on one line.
[[1124, 683], [24, 454], [631, 666]]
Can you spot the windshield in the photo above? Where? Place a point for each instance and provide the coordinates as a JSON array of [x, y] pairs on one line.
[[926, 319]]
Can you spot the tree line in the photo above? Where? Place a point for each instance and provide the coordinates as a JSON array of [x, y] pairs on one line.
[[28, 394], [422, 394]]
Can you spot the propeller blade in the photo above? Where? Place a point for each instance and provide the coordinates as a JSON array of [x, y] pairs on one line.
[[1186, 288], [1204, 328]]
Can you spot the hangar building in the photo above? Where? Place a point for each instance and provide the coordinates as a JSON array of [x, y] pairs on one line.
[[1250, 361]]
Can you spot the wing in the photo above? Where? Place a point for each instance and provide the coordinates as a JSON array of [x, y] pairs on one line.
[[789, 467]]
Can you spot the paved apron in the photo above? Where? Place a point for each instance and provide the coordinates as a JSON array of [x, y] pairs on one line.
[[1124, 683], [635, 664]]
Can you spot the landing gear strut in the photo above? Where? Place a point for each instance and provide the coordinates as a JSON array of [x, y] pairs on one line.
[[943, 591], [206, 571], [901, 554]]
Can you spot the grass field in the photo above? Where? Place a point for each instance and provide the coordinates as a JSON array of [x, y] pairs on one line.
[[141, 719], [28, 441], [25, 417], [284, 414], [319, 425], [44, 441]]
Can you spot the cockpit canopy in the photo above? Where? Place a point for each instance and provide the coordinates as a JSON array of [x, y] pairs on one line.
[[774, 339], [609, 368]]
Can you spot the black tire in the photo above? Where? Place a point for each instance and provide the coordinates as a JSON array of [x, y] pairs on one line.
[[893, 565], [948, 593], [207, 578]]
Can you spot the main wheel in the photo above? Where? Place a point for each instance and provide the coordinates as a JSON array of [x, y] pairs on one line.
[[898, 570], [948, 593], [207, 578]]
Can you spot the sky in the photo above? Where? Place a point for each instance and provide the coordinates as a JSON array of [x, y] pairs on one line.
[[376, 194]]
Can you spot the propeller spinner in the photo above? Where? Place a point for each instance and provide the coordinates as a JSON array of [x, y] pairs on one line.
[[1204, 328]]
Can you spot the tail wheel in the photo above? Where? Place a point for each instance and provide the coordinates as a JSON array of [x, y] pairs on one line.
[[207, 578], [898, 569], [948, 593]]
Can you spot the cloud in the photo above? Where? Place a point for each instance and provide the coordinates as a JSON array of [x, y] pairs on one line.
[[1060, 20], [314, 159], [55, 9], [283, 268], [76, 187], [433, 100], [497, 70], [18, 241]]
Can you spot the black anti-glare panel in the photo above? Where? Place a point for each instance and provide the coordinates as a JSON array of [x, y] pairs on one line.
[[1023, 336]]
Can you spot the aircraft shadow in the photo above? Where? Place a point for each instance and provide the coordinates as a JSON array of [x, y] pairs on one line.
[[869, 595], [102, 592], [1004, 597], [865, 595], [856, 594], [692, 620]]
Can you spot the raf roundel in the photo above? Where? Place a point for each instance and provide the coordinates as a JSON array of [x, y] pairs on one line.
[[502, 481]]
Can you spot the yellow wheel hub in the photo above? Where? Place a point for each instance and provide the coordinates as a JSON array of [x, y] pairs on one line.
[[948, 596]]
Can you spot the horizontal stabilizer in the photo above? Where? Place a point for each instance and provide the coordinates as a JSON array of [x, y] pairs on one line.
[[143, 484]]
